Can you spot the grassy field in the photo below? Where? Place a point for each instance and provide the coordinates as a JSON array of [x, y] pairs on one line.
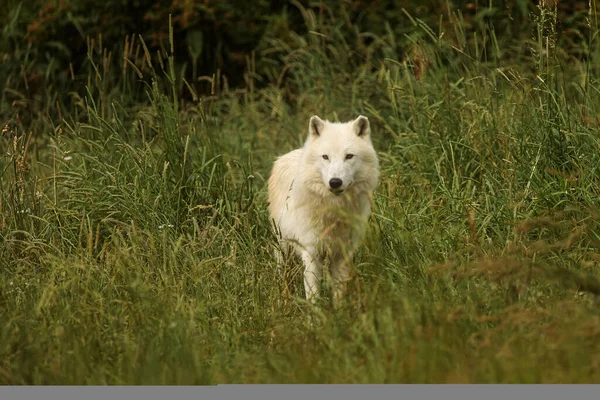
[[134, 234]]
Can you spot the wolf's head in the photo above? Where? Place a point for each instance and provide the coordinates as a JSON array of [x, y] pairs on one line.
[[340, 155]]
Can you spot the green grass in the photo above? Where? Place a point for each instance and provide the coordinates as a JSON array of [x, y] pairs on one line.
[[135, 241]]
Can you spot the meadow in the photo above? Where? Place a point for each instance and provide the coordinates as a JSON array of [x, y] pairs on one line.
[[135, 244]]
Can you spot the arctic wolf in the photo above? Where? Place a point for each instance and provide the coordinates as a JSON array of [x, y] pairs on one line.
[[320, 199]]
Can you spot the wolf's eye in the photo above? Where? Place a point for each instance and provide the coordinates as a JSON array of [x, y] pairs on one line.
[[325, 157], [349, 156]]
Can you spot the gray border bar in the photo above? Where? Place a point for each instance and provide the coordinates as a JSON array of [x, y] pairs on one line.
[[304, 392]]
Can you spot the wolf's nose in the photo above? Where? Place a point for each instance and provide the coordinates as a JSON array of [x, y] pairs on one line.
[[335, 183]]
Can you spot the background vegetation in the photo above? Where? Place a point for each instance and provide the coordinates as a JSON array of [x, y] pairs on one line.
[[138, 136]]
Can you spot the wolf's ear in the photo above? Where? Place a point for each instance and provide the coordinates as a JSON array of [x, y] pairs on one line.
[[361, 126], [315, 126]]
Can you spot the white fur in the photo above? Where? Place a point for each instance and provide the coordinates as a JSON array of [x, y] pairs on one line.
[[309, 216]]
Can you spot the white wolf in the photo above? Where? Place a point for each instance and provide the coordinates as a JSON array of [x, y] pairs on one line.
[[320, 199]]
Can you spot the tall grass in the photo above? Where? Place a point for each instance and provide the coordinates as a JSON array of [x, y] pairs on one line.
[[134, 234]]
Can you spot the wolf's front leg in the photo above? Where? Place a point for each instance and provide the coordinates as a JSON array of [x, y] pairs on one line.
[[341, 273], [313, 265], [281, 253]]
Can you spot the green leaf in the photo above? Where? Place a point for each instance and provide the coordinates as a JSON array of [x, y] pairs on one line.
[[194, 41]]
